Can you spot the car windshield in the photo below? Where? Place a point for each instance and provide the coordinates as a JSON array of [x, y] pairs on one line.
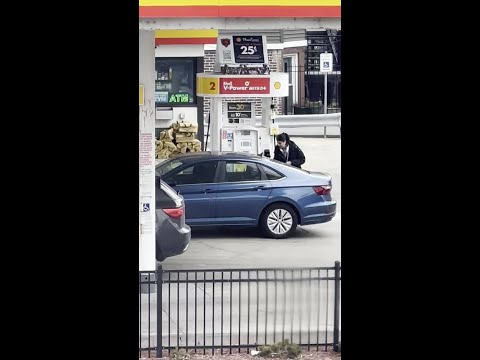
[[167, 166]]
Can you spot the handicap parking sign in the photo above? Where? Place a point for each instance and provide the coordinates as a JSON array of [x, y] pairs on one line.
[[326, 59]]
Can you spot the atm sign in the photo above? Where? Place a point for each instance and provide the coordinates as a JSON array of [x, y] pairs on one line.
[[179, 98]]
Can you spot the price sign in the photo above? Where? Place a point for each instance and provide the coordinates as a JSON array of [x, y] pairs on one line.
[[248, 49], [242, 49], [239, 106], [239, 113]]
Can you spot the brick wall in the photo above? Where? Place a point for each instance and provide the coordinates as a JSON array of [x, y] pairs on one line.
[[274, 61]]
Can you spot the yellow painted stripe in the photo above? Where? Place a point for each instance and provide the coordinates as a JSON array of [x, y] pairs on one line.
[[239, 2], [181, 34], [141, 95]]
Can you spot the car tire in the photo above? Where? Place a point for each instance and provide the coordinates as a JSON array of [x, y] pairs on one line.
[[278, 221]]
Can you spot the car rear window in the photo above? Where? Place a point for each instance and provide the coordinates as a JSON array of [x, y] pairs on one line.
[[271, 174]]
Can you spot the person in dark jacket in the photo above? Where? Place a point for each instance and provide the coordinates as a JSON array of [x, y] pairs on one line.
[[288, 152]]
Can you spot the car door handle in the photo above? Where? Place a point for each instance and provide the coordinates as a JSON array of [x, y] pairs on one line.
[[260, 187], [206, 190]]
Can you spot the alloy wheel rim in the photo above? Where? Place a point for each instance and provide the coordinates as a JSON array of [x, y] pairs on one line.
[[279, 221]]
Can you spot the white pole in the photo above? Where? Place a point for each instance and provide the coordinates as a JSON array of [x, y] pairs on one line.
[[325, 105], [325, 95], [215, 122], [266, 112]]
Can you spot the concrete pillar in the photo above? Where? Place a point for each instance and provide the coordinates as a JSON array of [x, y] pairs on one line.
[[266, 111], [215, 122], [146, 134]]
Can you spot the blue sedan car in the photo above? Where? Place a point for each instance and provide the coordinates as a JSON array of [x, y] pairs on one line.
[[239, 189]]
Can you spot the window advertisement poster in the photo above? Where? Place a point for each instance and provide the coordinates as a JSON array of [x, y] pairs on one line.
[[243, 54]]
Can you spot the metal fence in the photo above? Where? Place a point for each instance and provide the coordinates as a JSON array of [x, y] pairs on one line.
[[225, 310], [307, 91]]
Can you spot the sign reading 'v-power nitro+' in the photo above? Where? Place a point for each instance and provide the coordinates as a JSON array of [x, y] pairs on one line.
[[219, 85], [244, 86]]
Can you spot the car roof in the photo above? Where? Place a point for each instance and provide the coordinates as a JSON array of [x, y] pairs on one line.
[[212, 155], [193, 157]]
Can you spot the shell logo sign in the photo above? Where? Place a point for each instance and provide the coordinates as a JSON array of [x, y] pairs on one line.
[[239, 8]]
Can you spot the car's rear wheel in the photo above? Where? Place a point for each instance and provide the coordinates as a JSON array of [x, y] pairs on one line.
[[278, 221]]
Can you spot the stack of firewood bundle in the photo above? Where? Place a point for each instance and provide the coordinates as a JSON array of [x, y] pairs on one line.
[[191, 146], [180, 138], [184, 127]]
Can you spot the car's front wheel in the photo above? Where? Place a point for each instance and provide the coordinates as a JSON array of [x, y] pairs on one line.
[[278, 221]]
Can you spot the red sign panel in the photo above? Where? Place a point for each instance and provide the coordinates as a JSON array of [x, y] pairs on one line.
[[247, 86]]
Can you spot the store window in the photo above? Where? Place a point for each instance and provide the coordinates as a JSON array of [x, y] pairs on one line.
[[175, 83]]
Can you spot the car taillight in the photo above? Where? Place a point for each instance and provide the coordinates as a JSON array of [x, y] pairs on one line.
[[322, 190], [174, 213]]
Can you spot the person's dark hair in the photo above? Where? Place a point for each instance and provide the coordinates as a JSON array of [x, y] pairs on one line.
[[283, 137]]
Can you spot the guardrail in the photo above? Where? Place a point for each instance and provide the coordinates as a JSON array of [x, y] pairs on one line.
[[301, 120], [320, 120]]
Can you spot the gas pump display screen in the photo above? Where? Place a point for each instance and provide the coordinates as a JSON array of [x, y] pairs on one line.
[[175, 82], [239, 106], [239, 115], [237, 111]]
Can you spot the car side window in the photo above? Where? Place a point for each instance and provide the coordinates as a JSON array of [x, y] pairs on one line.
[[242, 171], [200, 173], [167, 166], [271, 174]]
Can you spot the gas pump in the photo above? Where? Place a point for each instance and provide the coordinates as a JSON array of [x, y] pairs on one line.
[[241, 71], [239, 133]]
